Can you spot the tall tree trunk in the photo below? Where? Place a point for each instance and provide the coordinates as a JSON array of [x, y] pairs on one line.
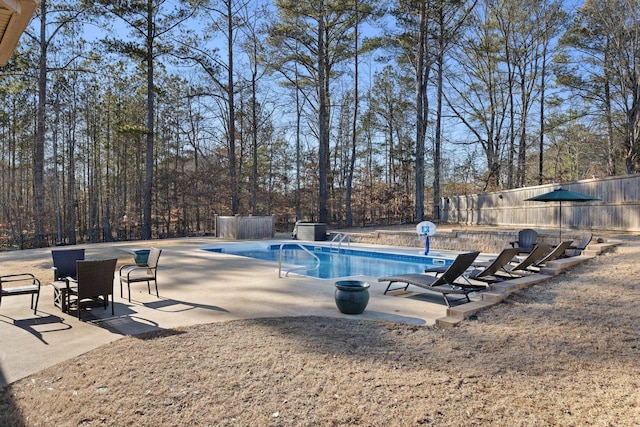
[[421, 111], [71, 186], [512, 119], [354, 128], [542, 104], [254, 133], [611, 164], [148, 181], [232, 115], [521, 177], [298, 156], [323, 126], [38, 149], [437, 154], [56, 176]]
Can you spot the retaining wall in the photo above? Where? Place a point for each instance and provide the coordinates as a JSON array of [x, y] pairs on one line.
[[487, 241]]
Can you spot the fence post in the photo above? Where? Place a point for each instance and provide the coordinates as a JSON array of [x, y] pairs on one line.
[[273, 226]]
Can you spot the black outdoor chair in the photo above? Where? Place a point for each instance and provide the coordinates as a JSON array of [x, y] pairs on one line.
[[94, 282], [64, 266], [526, 240]]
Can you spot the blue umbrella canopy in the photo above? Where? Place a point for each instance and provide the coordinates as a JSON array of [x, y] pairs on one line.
[[561, 195]]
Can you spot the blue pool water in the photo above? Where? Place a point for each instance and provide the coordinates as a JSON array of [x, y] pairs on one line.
[[335, 263]]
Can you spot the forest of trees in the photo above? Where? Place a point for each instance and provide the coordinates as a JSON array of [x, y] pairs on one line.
[[144, 119]]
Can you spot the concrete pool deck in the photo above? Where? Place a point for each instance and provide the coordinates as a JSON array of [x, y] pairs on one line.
[[196, 286]]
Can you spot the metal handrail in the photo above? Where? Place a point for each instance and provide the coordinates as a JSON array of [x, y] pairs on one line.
[[340, 238], [296, 268]]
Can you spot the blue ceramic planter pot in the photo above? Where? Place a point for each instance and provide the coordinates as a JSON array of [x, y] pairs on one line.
[[352, 296], [141, 257]]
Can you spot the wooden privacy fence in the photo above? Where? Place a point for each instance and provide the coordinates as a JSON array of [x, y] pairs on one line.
[[617, 210], [240, 227]]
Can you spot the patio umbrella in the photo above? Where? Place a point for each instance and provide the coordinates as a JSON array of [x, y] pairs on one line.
[[561, 195]]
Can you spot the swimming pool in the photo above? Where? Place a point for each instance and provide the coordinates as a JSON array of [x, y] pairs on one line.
[[334, 262]]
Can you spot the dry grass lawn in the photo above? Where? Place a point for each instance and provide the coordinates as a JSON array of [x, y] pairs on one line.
[[562, 353]]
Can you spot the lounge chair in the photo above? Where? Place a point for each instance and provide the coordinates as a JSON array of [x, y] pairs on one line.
[[489, 269], [28, 285], [134, 273], [526, 240], [514, 270], [557, 252], [582, 245], [445, 283], [95, 281]]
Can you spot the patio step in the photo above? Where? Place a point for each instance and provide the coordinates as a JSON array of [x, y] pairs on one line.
[[457, 314], [447, 322], [509, 286], [494, 296], [598, 248], [464, 311], [558, 266]]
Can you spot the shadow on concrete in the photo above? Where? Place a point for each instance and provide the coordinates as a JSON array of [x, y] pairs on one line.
[[430, 297], [177, 305], [37, 326], [124, 322], [130, 322]]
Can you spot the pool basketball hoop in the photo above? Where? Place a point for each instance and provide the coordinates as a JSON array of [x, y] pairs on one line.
[[426, 229]]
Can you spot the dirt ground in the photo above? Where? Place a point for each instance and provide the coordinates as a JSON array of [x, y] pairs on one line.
[[565, 352]]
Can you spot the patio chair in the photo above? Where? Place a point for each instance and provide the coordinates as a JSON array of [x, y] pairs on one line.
[[130, 273], [526, 240], [489, 269], [446, 283], [521, 267], [94, 282], [557, 252], [582, 245], [64, 265], [28, 285]]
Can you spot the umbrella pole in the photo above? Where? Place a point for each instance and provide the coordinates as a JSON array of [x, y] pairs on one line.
[[560, 222]]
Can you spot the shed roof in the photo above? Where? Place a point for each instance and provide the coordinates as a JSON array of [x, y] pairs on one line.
[[14, 18]]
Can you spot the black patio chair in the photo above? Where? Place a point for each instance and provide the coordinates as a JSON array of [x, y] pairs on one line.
[[526, 240], [94, 282]]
